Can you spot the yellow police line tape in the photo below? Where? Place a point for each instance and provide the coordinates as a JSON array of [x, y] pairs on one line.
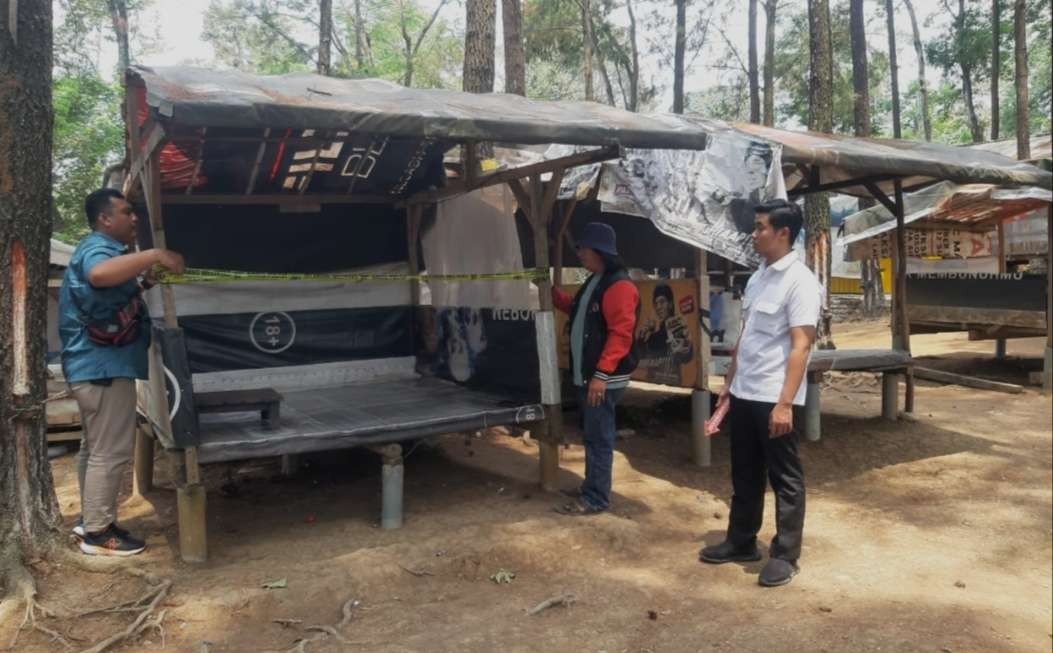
[[204, 275]]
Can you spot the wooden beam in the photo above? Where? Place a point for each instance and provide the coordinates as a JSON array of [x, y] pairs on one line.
[[505, 176], [154, 141], [1047, 366], [152, 190], [200, 160], [700, 442], [259, 161], [522, 197], [880, 196], [968, 381], [838, 185], [561, 230], [548, 201], [471, 162], [274, 198]]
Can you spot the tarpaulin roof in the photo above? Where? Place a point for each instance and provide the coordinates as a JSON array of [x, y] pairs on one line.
[[198, 97], [1041, 147], [967, 207], [843, 158]]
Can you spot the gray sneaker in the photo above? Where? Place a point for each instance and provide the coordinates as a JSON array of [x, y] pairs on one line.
[[777, 572]]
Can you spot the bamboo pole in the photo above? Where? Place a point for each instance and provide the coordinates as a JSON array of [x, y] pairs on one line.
[[701, 452]]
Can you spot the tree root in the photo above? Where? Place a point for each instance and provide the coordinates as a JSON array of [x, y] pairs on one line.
[[24, 592], [561, 599], [157, 594], [327, 631], [25, 588]]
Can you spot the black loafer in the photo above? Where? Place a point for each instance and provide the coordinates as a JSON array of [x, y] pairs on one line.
[[728, 552], [777, 572]]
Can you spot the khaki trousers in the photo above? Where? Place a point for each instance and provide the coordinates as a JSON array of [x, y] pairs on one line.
[[108, 420]]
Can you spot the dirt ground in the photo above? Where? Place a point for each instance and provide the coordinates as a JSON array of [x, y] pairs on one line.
[[932, 533]]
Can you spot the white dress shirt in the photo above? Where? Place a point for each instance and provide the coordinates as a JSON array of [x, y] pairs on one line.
[[778, 297]]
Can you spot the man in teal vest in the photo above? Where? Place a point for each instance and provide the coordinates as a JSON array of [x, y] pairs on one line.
[[105, 331]]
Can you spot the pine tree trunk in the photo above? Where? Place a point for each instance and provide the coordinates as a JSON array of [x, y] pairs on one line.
[[27, 493], [967, 78], [893, 67], [1023, 129], [515, 55], [325, 36], [996, 63], [755, 111], [360, 61], [634, 73], [923, 86], [769, 62], [821, 119], [479, 46], [119, 16], [860, 79], [586, 35], [679, 47]]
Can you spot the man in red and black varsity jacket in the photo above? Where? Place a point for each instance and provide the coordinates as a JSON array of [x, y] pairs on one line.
[[603, 318]]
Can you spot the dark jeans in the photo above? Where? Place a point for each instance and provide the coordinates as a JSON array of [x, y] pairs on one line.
[[752, 454], [598, 424]]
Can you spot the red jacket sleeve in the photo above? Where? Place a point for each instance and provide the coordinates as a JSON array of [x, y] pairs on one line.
[[561, 300], [619, 310]]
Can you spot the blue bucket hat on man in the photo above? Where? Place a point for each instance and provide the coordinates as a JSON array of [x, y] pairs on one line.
[[600, 237]]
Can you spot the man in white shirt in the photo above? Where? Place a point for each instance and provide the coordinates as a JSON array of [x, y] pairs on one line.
[[765, 381]]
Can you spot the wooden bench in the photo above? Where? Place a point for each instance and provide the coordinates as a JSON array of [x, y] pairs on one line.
[[890, 363], [266, 400]]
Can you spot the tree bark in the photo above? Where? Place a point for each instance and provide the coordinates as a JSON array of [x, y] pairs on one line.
[[967, 77], [996, 63], [119, 16], [479, 46], [360, 61], [27, 493], [634, 72], [755, 110], [860, 79], [515, 54], [769, 62], [821, 119], [325, 36], [586, 36], [1023, 129], [923, 85], [893, 67], [680, 46]]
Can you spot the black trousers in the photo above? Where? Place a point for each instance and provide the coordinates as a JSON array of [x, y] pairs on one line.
[[754, 455]]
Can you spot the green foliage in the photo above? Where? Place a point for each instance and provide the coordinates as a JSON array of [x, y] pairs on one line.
[[438, 62], [792, 78], [88, 136]]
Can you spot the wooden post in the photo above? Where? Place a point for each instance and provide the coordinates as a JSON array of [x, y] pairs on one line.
[[551, 396], [701, 452], [143, 471], [903, 321], [1000, 343], [190, 494], [890, 395], [813, 425], [1047, 368]]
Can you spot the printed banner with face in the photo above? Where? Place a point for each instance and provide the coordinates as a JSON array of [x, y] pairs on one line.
[[705, 198], [666, 337]]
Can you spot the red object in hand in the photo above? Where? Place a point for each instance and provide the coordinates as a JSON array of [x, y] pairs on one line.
[[717, 418]]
